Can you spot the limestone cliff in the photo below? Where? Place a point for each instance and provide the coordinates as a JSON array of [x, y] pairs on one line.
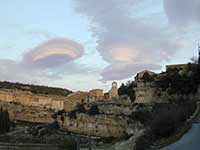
[[30, 114], [112, 120], [27, 98], [99, 125]]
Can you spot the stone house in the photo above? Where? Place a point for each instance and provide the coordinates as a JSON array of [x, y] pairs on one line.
[[74, 99], [97, 93], [145, 89]]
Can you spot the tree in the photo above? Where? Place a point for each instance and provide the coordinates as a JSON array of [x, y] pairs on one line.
[[127, 89], [122, 90], [94, 110], [194, 60], [4, 121]]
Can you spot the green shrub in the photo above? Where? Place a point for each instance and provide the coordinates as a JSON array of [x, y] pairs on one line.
[[94, 110], [127, 89], [68, 144], [144, 142]]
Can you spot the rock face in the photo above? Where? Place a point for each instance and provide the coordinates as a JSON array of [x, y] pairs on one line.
[[99, 125], [26, 98], [145, 89], [145, 92], [148, 92], [118, 106], [30, 114], [130, 144], [111, 121]]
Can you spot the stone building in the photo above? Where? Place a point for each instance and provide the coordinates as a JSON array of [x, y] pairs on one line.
[[143, 75], [74, 99], [144, 89], [97, 93], [113, 92], [82, 98], [177, 66]]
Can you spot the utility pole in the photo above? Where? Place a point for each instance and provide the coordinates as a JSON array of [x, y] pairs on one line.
[[78, 143], [90, 143], [198, 53]]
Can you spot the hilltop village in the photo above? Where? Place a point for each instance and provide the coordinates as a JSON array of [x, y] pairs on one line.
[[65, 102], [115, 114]]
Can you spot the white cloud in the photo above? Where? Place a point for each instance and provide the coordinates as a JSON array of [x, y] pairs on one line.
[[182, 12], [48, 62], [122, 39]]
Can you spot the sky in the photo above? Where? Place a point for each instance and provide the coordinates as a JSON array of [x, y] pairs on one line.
[[86, 44]]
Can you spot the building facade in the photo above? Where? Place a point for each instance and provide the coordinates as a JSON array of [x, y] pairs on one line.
[[113, 92]]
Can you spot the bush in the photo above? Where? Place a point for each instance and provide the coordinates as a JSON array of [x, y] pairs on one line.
[[67, 144], [144, 142], [35, 88], [94, 110], [163, 125], [127, 89], [80, 108], [163, 121], [176, 83], [72, 114], [142, 116]]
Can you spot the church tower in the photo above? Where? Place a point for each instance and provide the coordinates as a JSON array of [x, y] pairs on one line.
[[113, 93]]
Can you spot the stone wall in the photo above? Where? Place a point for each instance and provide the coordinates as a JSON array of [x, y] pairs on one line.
[[26, 98], [98, 125], [118, 106], [111, 121], [74, 99], [145, 92]]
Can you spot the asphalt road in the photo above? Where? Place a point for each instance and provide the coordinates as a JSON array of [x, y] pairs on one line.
[[190, 141]]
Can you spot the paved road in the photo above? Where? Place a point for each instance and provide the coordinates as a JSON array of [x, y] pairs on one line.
[[191, 140]]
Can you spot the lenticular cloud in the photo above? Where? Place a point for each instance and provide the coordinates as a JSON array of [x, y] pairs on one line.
[[52, 53]]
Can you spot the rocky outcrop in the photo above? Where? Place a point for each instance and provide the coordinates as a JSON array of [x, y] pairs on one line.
[[118, 106], [112, 120], [148, 92], [144, 92], [30, 114], [99, 125], [129, 144]]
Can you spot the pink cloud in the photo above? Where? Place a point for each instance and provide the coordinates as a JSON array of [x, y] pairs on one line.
[[55, 52]]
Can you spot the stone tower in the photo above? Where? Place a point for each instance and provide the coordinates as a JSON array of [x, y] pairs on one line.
[[113, 93]]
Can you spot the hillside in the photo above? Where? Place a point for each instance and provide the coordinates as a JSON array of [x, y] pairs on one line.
[[36, 89]]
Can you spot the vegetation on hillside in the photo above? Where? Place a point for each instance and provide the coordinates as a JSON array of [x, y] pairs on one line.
[[80, 108], [127, 90], [176, 81], [162, 121], [36, 89]]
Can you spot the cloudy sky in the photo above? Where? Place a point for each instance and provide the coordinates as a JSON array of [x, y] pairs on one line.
[[85, 44]]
